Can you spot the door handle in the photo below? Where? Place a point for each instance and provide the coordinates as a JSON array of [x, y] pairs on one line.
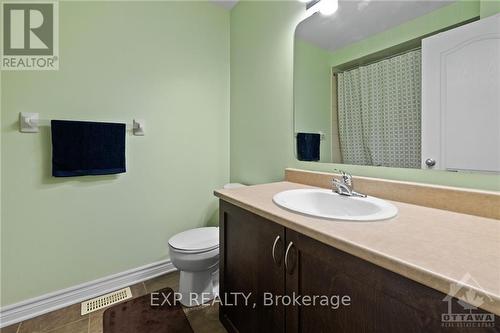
[[430, 162], [276, 240], [287, 267]]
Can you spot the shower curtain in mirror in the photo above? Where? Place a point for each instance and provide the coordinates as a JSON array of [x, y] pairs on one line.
[[379, 112]]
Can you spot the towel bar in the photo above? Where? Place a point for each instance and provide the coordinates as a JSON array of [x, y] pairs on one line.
[[321, 134], [30, 123]]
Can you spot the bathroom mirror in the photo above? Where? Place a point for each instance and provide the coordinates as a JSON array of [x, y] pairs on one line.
[[382, 83]]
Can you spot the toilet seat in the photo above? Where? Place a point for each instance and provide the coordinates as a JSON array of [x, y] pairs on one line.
[[195, 240], [193, 251]]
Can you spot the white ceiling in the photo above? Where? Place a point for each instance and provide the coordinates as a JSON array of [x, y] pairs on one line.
[[228, 4], [357, 20]]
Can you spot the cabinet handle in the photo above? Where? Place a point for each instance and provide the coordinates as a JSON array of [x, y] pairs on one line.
[[274, 250], [286, 257]]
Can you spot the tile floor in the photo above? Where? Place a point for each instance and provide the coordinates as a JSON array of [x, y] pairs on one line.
[[203, 319]]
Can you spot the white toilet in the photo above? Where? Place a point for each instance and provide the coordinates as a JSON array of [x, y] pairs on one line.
[[195, 253]]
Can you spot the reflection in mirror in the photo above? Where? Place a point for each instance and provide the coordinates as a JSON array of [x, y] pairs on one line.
[[378, 84]]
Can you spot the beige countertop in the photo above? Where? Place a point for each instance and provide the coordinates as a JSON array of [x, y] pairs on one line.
[[431, 246]]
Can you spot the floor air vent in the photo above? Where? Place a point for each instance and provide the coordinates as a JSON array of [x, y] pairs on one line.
[[105, 300]]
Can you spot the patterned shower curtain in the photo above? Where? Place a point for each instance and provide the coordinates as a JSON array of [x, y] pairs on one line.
[[379, 112]]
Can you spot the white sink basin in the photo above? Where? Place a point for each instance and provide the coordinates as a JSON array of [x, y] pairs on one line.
[[330, 205]]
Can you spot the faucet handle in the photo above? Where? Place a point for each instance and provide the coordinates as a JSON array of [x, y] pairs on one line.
[[339, 186], [346, 176], [344, 186]]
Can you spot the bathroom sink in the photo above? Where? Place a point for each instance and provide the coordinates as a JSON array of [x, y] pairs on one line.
[[327, 204]]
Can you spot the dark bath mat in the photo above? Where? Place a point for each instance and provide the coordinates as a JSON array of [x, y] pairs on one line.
[[138, 316]]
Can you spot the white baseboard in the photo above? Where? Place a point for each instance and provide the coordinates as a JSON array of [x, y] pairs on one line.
[[33, 307]]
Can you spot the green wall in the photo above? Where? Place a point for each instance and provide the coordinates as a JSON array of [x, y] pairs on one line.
[[262, 35], [312, 89], [165, 62], [490, 7]]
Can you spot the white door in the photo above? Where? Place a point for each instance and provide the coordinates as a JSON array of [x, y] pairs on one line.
[[461, 97]]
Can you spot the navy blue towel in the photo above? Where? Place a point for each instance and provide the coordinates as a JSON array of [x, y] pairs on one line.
[[308, 146], [87, 148]]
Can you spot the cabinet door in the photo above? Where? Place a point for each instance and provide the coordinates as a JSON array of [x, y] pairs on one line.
[[381, 301], [247, 265]]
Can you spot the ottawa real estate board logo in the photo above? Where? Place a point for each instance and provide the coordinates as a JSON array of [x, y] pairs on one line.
[[30, 35]]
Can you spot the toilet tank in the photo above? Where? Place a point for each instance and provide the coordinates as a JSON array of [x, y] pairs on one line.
[[233, 185]]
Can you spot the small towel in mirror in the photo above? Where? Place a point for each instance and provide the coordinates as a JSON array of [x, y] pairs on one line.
[[308, 146]]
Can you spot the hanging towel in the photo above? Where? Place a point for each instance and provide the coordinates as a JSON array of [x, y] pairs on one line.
[[87, 148], [308, 146]]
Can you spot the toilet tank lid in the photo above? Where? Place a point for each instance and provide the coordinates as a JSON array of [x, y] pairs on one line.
[[196, 239], [233, 185]]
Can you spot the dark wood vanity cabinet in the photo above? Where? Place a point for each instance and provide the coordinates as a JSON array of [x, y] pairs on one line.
[[246, 265], [259, 256]]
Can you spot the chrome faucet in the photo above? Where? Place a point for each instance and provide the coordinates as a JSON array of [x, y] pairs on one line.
[[344, 185]]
